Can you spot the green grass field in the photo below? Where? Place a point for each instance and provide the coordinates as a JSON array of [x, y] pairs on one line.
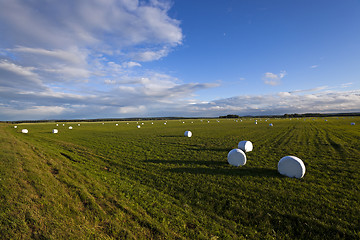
[[101, 181]]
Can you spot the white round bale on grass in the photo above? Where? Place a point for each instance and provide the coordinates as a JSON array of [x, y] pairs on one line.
[[138, 126], [271, 125], [352, 123], [24, 131], [55, 131], [236, 157], [291, 166], [15, 126], [246, 146], [70, 127], [188, 134]]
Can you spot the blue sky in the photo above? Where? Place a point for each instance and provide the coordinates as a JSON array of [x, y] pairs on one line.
[[127, 58]]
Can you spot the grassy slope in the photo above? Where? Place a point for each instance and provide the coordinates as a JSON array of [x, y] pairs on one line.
[[104, 181]]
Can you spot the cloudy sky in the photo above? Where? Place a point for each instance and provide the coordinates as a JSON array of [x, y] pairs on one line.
[[127, 58]]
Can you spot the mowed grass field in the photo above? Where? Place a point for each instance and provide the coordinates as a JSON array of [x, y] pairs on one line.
[[101, 181]]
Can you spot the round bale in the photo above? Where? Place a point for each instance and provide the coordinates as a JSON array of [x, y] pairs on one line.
[[138, 126], [271, 125], [188, 134], [352, 123], [246, 146], [236, 157], [55, 131], [70, 127], [291, 166], [24, 131], [15, 126]]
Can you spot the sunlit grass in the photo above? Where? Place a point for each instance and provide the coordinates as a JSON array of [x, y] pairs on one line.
[[107, 181]]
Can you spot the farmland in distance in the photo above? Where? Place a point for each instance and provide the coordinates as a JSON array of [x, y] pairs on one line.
[[104, 181]]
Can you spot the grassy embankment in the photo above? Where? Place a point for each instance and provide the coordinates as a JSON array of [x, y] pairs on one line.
[[102, 181]]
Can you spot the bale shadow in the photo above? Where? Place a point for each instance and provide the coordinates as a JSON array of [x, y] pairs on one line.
[[171, 136], [255, 172], [186, 162], [209, 149]]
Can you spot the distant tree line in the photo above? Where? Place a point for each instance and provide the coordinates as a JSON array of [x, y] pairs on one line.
[[295, 115]]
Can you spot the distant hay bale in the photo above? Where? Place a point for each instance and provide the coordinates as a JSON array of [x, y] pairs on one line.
[[352, 123], [255, 122], [79, 124], [24, 131], [236, 157], [271, 125], [55, 131], [246, 146], [116, 124], [15, 126], [57, 125], [291, 166], [138, 126], [70, 127], [165, 123], [63, 124], [188, 134], [142, 123]]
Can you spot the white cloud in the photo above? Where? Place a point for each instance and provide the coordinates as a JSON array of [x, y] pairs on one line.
[[284, 102], [138, 110], [149, 55], [42, 112], [314, 66], [273, 79], [131, 64]]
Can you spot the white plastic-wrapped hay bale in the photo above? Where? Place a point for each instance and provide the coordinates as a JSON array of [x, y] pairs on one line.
[[24, 131], [255, 122], [116, 124], [55, 131], [271, 125], [63, 124], [142, 123], [57, 124], [352, 123], [138, 126], [246, 146], [165, 123], [78, 124], [152, 123], [291, 166], [236, 157], [70, 127], [188, 134], [15, 126]]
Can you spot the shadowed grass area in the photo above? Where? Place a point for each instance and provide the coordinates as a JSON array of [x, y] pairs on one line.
[[119, 182]]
